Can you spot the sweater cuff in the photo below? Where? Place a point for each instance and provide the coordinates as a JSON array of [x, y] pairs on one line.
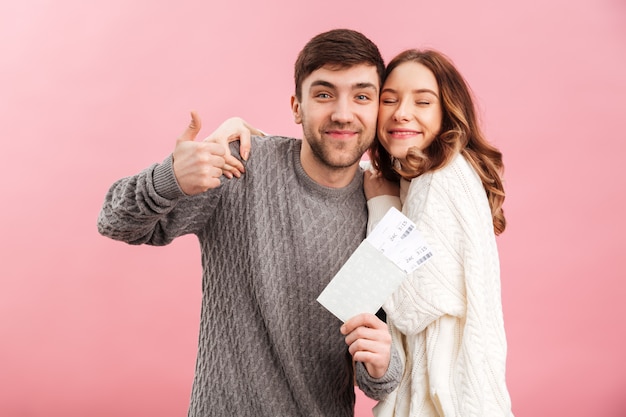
[[378, 206], [164, 180], [378, 388]]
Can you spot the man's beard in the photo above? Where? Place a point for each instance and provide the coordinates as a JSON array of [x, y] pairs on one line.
[[328, 154]]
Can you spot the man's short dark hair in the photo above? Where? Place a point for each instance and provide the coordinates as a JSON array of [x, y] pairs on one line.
[[341, 48]]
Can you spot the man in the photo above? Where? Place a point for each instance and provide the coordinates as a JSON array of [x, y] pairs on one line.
[[271, 241]]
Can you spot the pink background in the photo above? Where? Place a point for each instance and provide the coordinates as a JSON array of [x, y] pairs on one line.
[[91, 91]]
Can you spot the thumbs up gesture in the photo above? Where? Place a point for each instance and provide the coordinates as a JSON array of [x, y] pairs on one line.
[[197, 164]]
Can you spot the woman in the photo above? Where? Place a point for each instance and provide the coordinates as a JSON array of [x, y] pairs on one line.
[[446, 318], [447, 315]]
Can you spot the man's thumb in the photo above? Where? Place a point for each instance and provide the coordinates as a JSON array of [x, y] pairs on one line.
[[192, 130]]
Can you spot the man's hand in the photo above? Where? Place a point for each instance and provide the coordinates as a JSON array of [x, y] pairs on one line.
[[369, 342], [197, 165]]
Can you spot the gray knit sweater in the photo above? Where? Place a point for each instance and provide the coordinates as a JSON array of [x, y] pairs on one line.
[[270, 243]]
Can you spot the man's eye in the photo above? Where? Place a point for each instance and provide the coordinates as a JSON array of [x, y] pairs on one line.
[[362, 97], [323, 95]]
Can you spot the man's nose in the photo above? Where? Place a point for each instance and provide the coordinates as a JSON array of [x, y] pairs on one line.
[[343, 112]]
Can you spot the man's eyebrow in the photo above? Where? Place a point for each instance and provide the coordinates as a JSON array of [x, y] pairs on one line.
[[322, 83], [357, 86]]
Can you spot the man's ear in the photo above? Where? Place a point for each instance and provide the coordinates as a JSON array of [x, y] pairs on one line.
[[296, 110]]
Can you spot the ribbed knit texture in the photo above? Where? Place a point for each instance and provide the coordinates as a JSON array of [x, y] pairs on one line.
[[270, 243], [446, 317]]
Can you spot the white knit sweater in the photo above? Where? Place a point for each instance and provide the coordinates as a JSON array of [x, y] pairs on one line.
[[446, 318]]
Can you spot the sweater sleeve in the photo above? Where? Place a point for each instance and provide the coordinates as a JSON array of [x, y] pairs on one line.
[[436, 288], [378, 388], [150, 208]]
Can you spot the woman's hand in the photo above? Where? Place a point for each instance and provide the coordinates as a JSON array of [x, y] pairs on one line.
[[231, 130], [375, 185]]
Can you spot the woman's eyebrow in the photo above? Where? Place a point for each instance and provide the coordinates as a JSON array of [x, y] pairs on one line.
[[416, 91]]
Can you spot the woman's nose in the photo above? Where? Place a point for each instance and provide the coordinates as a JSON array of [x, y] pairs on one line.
[[401, 113]]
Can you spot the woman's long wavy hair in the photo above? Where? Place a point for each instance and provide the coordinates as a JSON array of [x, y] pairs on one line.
[[460, 132]]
